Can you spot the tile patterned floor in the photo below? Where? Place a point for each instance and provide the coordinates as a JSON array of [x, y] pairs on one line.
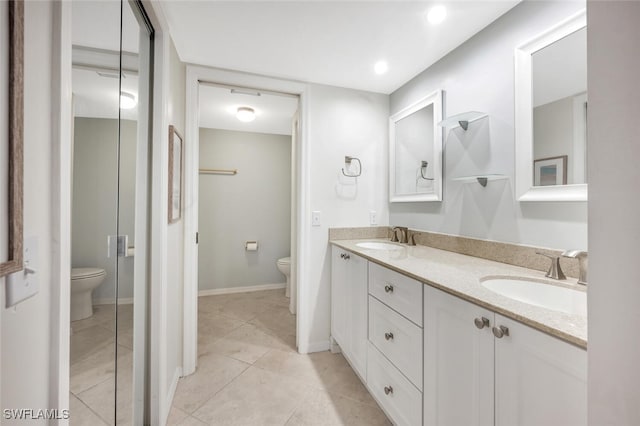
[[249, 372]]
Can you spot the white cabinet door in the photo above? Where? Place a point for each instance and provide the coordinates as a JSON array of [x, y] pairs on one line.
[[539, 380], [458, 362], [349, 306], [357, 309], [339, 290]]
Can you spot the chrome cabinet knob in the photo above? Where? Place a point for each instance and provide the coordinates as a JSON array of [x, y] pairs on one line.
[[346, 256], [481, 322], [388, 336], [500, 332], [388, 288], [388, 390], [342, 255]]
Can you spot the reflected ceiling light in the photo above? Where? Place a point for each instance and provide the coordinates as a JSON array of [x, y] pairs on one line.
[[437, 14], [127, 100], [245, 114], [381, 67]]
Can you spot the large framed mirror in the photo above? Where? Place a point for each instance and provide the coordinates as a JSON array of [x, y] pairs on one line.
[[415, 151], [551, 114]]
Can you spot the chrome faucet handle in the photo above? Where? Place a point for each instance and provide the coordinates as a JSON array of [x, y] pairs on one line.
[[403, 234], [412, 239], [394, 235], [582, 257], [555, 271]]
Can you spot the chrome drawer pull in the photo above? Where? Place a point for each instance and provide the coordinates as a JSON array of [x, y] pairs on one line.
[[388, 336], [481, 322], [499, 332], [388, 390], [388, 288]]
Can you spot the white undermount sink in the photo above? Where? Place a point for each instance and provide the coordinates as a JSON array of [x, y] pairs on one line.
[[378, 245], [539, 293]]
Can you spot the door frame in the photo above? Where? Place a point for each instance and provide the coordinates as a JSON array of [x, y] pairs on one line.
[[196, 74]]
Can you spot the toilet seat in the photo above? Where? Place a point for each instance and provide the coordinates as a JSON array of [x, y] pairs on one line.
[[82, 273]]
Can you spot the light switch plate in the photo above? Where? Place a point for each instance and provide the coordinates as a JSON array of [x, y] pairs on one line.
[[24, 284], [315, 218]]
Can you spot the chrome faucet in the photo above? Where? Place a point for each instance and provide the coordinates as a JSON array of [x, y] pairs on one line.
[[404, 231], [582, 258], [555, 271]]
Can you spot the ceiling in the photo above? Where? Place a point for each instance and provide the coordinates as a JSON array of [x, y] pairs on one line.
[[327, 42]]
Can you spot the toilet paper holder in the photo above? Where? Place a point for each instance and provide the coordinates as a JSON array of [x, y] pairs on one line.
[[251, 246]]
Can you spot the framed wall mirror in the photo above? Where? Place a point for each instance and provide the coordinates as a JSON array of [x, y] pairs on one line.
[[415, 151], [551, 114]]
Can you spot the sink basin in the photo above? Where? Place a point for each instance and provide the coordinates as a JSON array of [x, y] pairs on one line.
[[378, 245], [539, 293]]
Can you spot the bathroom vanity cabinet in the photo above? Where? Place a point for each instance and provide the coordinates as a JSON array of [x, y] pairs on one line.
[[349, 307], [524, 376], [431, 358]]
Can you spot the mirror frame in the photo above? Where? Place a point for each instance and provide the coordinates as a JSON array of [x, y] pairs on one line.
[[525, 191], [434, 98]]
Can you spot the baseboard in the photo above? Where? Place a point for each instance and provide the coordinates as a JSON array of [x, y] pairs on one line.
[[111, 301], [247, 289], [321, 346], [172, 391]]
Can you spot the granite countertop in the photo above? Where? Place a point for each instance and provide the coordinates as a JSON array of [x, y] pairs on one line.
[[460, 275]]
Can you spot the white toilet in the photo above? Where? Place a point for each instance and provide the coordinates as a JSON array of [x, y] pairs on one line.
[[83, 282], [284, 266]]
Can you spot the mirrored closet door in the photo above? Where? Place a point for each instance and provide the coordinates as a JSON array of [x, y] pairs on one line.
[[111, 54]]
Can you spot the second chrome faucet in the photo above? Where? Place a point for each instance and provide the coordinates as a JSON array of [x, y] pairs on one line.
[[555, 271]]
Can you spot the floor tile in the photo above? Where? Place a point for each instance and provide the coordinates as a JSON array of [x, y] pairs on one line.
[[94, 369], [323, 409], [176, 416], [89, 340], [247, 343], [257, 397], [213, 326], [213, 373], [81, 415]]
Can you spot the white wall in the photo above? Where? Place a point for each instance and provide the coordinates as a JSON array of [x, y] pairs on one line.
[[253, 205], [341, 122], [97, 204], [26, 329], [175, 233], [479, 76], [614, 212]]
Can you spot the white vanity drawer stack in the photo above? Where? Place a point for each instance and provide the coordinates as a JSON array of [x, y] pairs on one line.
[[395, 351]]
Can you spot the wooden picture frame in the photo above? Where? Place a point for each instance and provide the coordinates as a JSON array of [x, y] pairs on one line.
[[14, 262], [550, 171], [175, 175]]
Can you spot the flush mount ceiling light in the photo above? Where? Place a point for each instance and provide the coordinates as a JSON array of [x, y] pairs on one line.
[[381, 67], [437, 14], [127, 100], [246, 114]]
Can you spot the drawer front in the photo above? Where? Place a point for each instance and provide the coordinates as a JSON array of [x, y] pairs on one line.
[[397, 291], [397, 338], [399, 399]]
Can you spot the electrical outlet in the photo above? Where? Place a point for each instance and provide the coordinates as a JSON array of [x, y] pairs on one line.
[[315, 218], [373, 217]]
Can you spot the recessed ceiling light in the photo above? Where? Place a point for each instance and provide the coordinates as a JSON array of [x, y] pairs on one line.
[[437, 14], [127, 100], [245, 114], [381, 67]]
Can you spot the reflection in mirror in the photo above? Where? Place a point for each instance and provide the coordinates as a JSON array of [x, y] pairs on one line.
[[415, 171], [551, 113], [559, 81], [111, 78]]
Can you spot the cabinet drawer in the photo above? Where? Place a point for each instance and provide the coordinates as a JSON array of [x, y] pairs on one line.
[[401, 401], [397, 338], [397, 291]]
